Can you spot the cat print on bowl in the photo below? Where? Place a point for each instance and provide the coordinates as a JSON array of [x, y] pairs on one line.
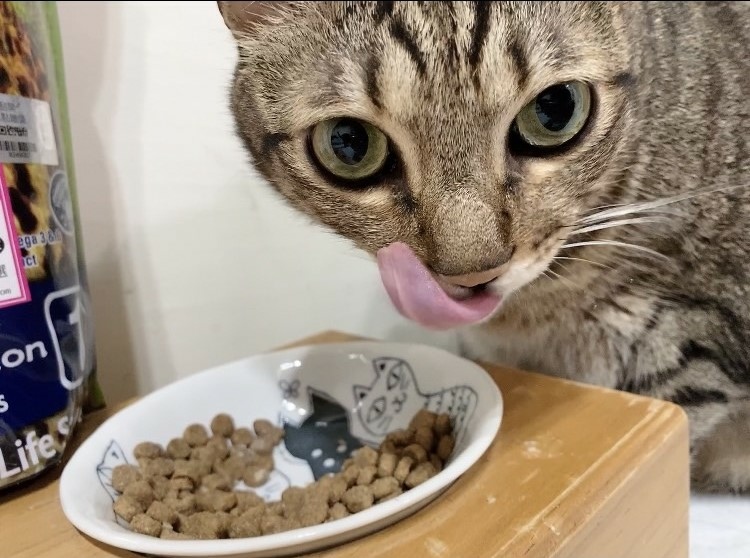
[[323, 439], [324, 428], [113, 456], [395, 393]]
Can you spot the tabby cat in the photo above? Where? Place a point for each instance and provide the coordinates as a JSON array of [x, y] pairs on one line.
[[564, 183]]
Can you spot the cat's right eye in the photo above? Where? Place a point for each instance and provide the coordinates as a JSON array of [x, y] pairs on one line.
[[376, 410], [555, 117], [349, 149]]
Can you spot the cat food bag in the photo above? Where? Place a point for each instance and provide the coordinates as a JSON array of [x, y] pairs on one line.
[[47, 364]]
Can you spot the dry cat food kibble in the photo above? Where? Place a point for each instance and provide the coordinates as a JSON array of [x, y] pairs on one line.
[[187, 490]]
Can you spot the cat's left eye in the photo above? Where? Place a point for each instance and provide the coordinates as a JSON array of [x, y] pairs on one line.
[[376, 410], [349, 149], [554, 117], [393, 380]]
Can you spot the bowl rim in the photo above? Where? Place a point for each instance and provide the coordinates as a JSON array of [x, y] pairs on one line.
[[488, 430]]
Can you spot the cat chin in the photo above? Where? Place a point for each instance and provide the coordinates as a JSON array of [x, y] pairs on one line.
[[516, 297], [520, 274], [507, 289]]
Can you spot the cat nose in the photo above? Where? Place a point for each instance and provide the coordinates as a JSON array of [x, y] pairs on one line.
[[470, 280]]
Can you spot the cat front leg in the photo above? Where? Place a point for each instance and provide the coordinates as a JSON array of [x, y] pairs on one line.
[[718, 412], [721, 462], [480, 344], [694, 352]]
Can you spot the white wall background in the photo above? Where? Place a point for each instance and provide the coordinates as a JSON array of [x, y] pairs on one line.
[[193, 260]]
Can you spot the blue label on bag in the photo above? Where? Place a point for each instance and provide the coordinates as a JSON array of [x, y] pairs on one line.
[[42, 354]]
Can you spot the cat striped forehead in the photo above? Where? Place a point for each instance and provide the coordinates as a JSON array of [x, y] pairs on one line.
[[393, 59], [451, 47]]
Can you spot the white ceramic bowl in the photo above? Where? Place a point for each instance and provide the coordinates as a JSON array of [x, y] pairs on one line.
[[321, 394]]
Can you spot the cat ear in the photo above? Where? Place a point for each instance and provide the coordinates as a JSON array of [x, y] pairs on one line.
[[360, 392], [380, 364], [244, 18]]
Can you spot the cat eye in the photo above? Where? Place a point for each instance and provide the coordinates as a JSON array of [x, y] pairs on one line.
[[349, 149], [376, 410], [393, 380], [555, 116]]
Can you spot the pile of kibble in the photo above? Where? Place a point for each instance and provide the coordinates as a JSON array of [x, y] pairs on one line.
[[187, 490]]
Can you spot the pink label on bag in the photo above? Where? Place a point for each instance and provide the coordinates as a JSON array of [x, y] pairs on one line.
[[14, 287]]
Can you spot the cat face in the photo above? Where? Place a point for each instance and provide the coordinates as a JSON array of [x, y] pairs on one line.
[[391, 395], [476, 133]]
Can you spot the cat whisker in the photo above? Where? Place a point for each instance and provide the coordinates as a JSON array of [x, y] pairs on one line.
[[608, 206], [631, 261], [559, 263], [659, 214], [642, 206], [616, 223], [616, 243], [659, 211], [568, 283], [583, 260]]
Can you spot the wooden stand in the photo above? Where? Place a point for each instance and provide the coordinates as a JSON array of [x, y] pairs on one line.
[[575, 472]]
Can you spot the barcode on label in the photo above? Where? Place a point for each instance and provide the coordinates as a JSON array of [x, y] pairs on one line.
[[17, 146]]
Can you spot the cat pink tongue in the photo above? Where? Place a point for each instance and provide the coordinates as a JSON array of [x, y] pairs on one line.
[[419, 297]]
